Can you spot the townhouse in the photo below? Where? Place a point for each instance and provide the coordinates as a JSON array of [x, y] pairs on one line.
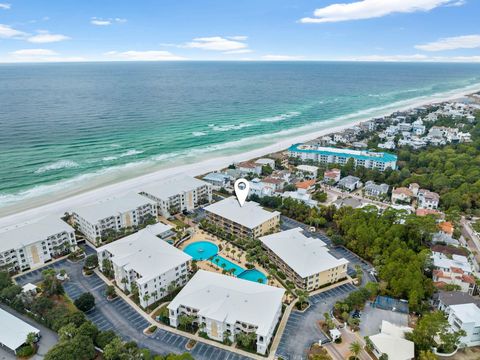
[[466, 317]]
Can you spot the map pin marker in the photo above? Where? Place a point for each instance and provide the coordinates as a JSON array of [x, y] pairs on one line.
[[242, 187]]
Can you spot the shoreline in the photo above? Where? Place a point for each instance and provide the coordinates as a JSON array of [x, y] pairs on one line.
[[10, 215]]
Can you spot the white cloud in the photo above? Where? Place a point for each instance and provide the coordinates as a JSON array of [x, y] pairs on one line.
[[44, 37], [106, 22], [217, 43], [7, 32], [240, 51], [34, 52], [452, 43], [149, 55], [39, 55], [281, 57], [368, 9], [5, 6]]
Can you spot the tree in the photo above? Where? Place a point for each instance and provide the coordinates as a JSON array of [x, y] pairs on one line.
[[107, 268], [85, 302], [427, 355], [9, 293], [430, 325], [91, 261], [110, 291], [246, 340], [103, 338], [355, 347], [51, 285], [186, 321]]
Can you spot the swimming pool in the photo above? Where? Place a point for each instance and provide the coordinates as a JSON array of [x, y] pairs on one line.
[[253, 275], [206, 250], [201, 250]]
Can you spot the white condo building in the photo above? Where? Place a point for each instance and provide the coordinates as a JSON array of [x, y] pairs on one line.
[[178, 193], [466, 317], [149, 262], [32, 244], [247, 221], [225, 306], [116, 213], [306, 261]]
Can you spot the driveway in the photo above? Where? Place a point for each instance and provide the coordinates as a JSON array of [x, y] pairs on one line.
[[302, 329], [47, 341], [120, 317]]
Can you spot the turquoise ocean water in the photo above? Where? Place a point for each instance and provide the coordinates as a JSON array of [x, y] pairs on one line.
[[79, 125]]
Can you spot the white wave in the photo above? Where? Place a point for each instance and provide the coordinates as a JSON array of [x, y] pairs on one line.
[[109, 158], [116, 145], [231, 127], [281, 117], [61, 164], [199, 133], [131, 153]]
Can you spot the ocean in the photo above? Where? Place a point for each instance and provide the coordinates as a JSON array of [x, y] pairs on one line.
[[71, 127]]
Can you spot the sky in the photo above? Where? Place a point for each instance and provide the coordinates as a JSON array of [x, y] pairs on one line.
[[268, 30]]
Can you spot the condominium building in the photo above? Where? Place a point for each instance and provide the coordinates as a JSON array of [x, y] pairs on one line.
[[224, 306], [249, 220], [330, 155], [147, 261], [305, 261], [428, 199], [32, 244], [113, 214], [466, 317], [178, 193]]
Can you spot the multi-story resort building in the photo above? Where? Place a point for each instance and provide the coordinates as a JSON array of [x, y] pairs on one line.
[[29, 245], [147, 261], [466, 317], [330, 155], [113, 214], [305, 261], [247, 221], [224, 306], [178, 193]]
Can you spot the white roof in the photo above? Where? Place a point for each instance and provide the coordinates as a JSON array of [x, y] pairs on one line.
[[14, 331], [112, 207], [467, 313], [308, 168], [250, 215], [158, 228], [29, 287], [306, 256], [24, 234], [391, 341], [265, 161], [173, 185], [146, 254], [229, 299], [442, 261]]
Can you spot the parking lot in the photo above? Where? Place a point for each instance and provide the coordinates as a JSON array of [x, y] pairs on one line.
[[302, 329], [119, 316]]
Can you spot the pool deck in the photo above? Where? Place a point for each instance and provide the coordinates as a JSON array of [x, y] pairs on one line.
[[239, 257]]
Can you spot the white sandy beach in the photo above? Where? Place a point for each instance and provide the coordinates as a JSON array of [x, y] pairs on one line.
[[59, 207]]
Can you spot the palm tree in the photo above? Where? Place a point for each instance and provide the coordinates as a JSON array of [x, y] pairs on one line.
[[355, 348], [31, 339]]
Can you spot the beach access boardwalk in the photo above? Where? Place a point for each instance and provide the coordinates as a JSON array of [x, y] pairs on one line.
[[120, 316]]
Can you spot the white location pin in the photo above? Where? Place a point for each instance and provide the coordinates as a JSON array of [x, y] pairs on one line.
[[242, 187]]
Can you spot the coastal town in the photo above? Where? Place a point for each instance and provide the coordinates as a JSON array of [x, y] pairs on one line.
[[360, 244]]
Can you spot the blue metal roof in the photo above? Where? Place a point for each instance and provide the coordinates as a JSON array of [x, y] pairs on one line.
[[382, 156]]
